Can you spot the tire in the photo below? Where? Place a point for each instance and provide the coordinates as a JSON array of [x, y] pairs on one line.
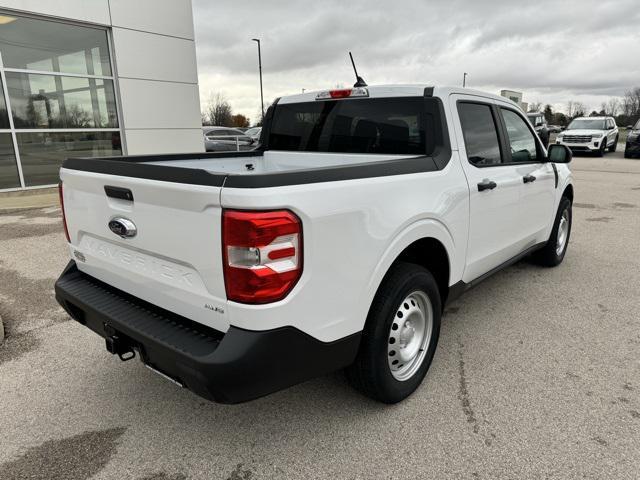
[[603, 148], [406, 291], [627, 154], [614, 147], [551, 255]]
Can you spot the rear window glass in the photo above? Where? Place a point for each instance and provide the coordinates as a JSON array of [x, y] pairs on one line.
[[372, 125]]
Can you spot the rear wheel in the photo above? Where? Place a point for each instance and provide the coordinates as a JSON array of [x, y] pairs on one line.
[[400, 335], [555, 249], [614, 147]]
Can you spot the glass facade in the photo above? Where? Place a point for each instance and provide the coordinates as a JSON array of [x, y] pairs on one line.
[[57, 99], [42, 153], [8, 168]]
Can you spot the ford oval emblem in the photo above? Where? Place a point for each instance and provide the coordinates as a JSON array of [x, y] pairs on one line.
[[123, 227]]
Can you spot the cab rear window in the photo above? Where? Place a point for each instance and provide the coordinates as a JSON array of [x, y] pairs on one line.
[[372, 125]]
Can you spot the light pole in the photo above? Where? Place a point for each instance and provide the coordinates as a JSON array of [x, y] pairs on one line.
[[464, 80], [257, 40]]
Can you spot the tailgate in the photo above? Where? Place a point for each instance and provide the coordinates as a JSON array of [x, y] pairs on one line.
[[175, 258]]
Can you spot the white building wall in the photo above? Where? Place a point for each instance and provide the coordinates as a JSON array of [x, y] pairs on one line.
[[155, 60], [154, 57], [92, 11]]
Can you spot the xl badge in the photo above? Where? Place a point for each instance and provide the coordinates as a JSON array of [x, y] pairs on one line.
[[123, 227]]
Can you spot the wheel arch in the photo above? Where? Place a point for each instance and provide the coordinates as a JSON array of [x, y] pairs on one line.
[[430, 253], [428, 244], [568, 192]]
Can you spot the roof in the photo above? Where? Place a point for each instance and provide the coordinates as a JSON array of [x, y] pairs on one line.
[[398, 90]]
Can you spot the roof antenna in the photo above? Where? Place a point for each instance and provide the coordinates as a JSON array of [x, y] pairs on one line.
[[359, 80]]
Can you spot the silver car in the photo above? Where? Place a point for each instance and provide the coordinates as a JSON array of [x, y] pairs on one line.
[[225, 139], [254, 133]]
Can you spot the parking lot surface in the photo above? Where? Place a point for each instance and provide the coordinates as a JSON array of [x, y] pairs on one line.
[[537, 375]]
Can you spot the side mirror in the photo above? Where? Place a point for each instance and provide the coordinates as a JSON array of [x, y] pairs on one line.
[[559, 153], [629, 127]]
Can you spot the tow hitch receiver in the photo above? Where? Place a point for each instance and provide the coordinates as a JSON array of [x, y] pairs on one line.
[[117, 345]]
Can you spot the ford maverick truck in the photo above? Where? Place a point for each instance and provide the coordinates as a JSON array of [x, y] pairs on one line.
[[335, 244]]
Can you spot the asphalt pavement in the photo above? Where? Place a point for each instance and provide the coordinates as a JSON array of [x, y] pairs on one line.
[[537, 375]]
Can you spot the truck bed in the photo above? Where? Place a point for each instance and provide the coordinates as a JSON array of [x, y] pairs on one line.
[[253, 168]]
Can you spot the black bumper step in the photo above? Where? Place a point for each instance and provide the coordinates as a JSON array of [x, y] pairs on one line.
[[132, 316], [230, 367]]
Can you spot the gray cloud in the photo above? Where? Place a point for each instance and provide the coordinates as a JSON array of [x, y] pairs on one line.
[[553, 51]]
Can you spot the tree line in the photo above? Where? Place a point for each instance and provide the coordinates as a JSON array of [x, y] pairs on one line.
[[626, 110], [218, 112]]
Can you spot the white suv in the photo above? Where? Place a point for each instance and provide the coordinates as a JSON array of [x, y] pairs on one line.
[[590, 134]]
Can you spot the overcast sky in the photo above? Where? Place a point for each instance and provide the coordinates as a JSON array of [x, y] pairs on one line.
[[553, 51]]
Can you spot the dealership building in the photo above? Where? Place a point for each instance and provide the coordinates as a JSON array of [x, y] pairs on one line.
[[93, 78]]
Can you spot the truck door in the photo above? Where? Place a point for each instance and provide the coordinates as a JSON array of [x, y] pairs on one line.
[[537, 199], [494, 186]]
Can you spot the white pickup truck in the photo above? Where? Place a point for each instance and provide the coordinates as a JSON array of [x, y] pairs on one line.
[[335, 244]]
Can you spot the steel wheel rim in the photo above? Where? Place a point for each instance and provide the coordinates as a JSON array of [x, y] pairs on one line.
[[409, 335], [563, 232]]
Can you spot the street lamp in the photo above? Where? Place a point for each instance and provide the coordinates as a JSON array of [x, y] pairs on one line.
[[257, 40]]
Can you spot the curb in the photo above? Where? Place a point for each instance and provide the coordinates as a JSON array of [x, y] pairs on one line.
[[18, 202]]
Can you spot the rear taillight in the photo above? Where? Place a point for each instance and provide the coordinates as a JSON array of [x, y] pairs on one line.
[[262, 254], [64, 218]]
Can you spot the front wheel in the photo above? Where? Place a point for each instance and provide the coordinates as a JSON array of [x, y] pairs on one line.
[[555, 249], [614, 147], [400, 335]]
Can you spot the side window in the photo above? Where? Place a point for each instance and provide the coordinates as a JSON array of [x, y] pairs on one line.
[[480, 135], [521, 140]]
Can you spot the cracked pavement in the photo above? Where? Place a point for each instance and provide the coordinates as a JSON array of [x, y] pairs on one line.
[[537, 375]]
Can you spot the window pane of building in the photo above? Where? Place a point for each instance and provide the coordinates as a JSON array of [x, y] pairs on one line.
[[8, 168], [42, 154], [48, 101], [4, 117], [32, 44]]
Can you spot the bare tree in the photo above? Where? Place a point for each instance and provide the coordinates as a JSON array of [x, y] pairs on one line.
[[218, 111], [629, 107], [535, 106], [632, 98], [612, 107], [575, 109]]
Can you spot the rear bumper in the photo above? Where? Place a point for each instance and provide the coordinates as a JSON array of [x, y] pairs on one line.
[[230, 367]]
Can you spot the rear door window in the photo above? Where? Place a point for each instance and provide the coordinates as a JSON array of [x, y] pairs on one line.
[[480, 134], [370, 125]]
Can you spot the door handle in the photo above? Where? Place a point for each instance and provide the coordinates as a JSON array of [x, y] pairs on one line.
[[486, 184], [528, 179]]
